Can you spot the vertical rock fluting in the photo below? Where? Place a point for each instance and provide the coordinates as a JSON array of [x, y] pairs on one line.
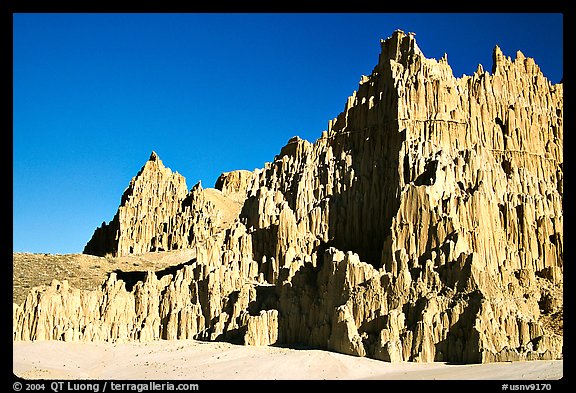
[[149, 207], [426, 224], [157, 213]]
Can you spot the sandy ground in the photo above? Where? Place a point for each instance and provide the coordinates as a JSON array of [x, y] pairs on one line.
[[194, 360]]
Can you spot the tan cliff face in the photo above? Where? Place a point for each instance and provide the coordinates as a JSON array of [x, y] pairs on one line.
[[426, 224]]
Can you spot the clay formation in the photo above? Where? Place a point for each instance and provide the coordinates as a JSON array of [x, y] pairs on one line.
[[425, 224]]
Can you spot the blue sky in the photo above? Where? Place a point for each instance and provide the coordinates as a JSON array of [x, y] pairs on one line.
[[94, 94]]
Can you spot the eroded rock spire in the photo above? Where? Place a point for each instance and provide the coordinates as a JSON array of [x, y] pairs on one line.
[[426, 224]]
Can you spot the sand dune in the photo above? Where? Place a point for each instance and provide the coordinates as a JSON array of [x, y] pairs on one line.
[[194, 360]]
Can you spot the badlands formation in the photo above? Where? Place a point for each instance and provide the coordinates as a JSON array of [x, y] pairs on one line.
[[426, 224]]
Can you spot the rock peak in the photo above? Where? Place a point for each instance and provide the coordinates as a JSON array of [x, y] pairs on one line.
[[153, 156], [398, 47], [497, 58]]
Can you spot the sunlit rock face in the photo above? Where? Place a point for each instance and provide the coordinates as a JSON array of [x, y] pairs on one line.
[[426, 224]]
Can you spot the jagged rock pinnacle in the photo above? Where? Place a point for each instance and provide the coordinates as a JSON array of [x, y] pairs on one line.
[[425, 225], [398, 47], [497, 58], [153, 156]]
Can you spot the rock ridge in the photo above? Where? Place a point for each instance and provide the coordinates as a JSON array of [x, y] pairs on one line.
[[425, 224]]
